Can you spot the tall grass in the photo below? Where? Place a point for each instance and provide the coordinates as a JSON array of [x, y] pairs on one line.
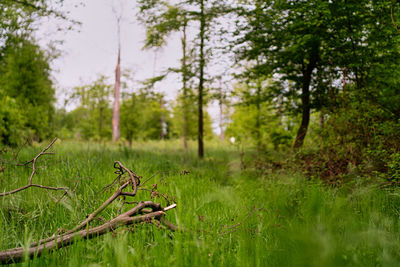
[[234, 217]]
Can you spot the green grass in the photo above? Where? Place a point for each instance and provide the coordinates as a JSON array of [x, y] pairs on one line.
[[235, 217]]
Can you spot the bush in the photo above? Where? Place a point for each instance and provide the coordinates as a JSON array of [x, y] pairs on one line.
[[359, 137]]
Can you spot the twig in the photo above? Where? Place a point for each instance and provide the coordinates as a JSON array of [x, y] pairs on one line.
[[154, 175], [17, 254], [392, 17], [15, 155], [134, 181], [73, 190], [33, 172], [144, 211]]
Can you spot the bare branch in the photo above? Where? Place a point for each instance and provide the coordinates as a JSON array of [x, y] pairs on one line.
[[33, 172], [17, 254], [392, 17], [144, 211]]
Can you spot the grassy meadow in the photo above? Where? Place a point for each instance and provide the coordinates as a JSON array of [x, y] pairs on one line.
[[235, 214]]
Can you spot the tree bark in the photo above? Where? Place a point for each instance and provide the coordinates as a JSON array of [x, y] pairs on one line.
[[201, 81], [185, 89], [305, 96], [258, 119], [115, 119], [17, 254], [163, 124], [221, 121], [100, 122], [221, 112]]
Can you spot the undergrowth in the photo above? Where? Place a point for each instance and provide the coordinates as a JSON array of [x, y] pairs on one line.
[[234, 216]]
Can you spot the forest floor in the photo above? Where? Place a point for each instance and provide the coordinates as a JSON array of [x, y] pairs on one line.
[[234, 214]]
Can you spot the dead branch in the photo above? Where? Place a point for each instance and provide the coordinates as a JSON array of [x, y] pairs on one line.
[[144, 211], [33, 172], [392, 17], [17, 254]]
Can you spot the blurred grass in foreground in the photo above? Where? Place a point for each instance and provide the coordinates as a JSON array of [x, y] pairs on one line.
[[235, 217]]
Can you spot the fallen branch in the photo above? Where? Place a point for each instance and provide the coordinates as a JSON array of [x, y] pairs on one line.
[[144, 211], [17, 254], [33, 172]]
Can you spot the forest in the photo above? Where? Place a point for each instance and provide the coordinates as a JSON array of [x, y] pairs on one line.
[[278, 145]]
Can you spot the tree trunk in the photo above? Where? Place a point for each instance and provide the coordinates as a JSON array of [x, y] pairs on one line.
[[258, 119], [100, 122], [185, 89], [221, 112], [305, 97], [115, 120], [201, 81], [221, 121], [163, 124]]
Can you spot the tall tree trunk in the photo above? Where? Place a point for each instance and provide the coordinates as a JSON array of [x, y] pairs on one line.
[[221, 111], [163, 124], [280, 110], [201, 81], [305, 96], [100, 121], [185, 89], [115, 119], [258, 119], [221, 121]]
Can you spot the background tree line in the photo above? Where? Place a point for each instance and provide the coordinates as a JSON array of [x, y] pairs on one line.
[[318, 74]]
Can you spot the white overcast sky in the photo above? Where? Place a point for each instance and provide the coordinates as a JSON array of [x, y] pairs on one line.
[[91, 49]]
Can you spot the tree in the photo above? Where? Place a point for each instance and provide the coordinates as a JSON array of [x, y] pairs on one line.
[[25, 82], [159, 26], [222, 98], [147, 126], [256, 118], [12, 122], [129, 118], [313, 43], [163, 18], [21, 17], [191, 121], [116, 110], [26, 88], [94, 109], [115, 120], [285, 38]]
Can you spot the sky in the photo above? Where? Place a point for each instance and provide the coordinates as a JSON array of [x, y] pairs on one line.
[[90, 49]]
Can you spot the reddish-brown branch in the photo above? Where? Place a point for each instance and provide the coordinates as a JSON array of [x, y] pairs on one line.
[[17, 254], [392, 17], [33, 172], [144, 211], [134, 181]]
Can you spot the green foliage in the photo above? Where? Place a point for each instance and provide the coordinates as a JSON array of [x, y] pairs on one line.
[[359, 137], [271, 131], [94, 113], [25, 84], [312, 43], [235, 216], [25, 77], [257, 121], [177, 121], [160, 19], [12, 122], [142, 115], [394, 166], [64, 124], [18, 16]]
